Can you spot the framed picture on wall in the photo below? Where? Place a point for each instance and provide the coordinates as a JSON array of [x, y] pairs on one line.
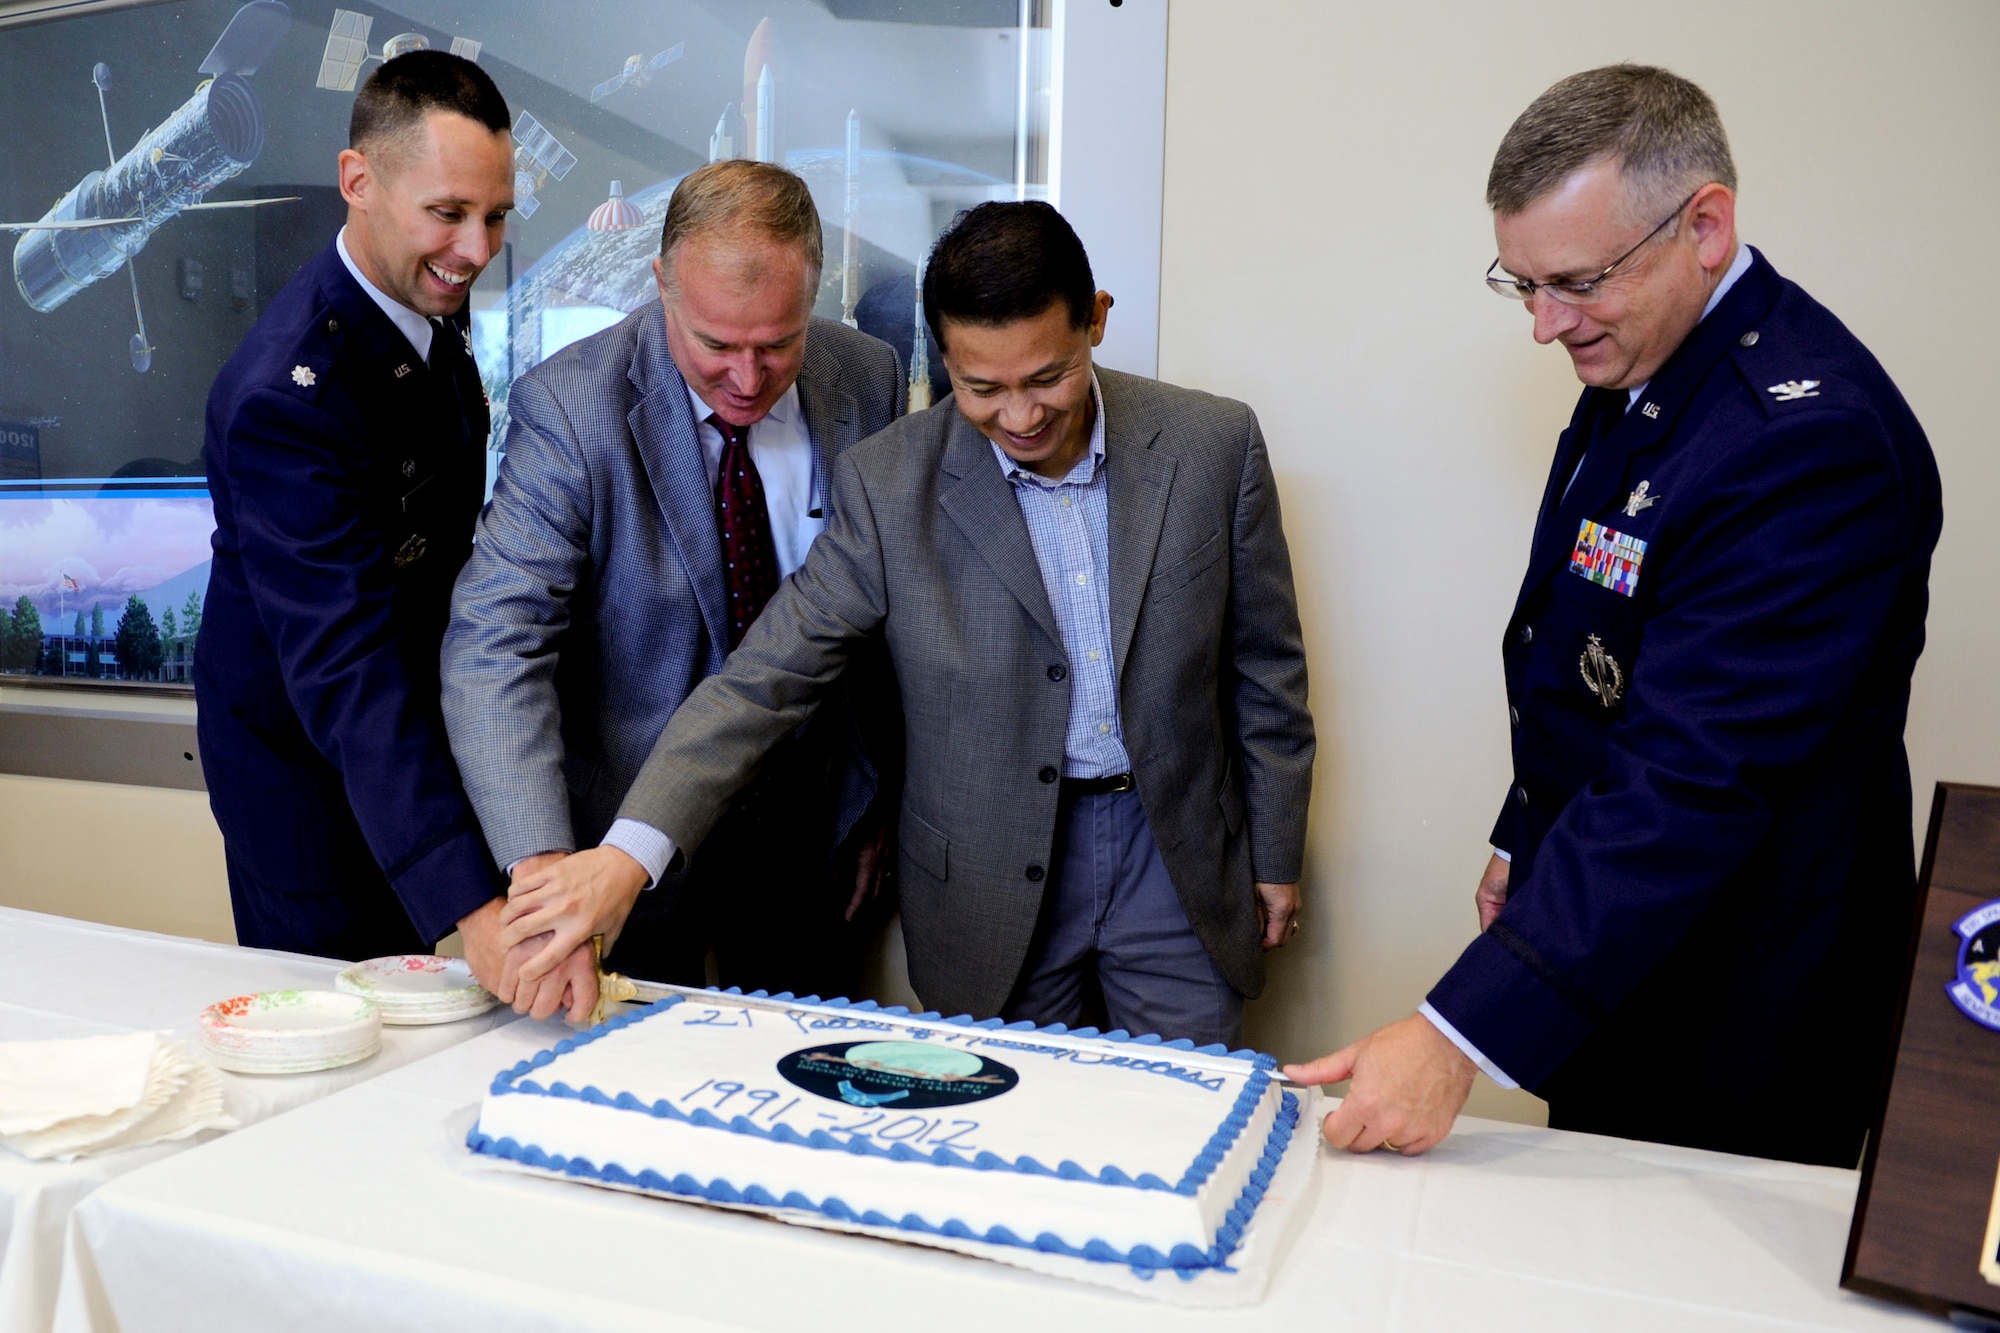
[[171, 164]]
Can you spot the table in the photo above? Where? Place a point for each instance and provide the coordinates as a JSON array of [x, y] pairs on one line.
[[363, 1211], [64, 978]]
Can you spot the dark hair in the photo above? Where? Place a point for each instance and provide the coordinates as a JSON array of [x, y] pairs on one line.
[[397, 95], [1663, 131], [1001, 262]]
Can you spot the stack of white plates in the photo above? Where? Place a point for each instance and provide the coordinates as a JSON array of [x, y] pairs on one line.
[[418, 988], [290, 1031]]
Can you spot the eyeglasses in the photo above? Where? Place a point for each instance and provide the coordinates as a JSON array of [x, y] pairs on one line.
[[1576, 293]]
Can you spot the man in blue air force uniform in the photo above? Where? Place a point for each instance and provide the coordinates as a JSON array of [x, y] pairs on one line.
[[346, 456], [1698, 937]]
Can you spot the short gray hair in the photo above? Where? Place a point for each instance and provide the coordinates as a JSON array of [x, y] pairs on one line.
[[1663, 132], [737, 199]]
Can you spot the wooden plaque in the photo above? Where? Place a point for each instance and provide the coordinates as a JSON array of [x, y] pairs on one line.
[[1924, 1225]]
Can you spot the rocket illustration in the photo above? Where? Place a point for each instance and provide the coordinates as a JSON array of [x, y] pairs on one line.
[[850, 248], [763, 124]]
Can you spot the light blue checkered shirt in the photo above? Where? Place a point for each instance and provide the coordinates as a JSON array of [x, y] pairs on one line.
[[1069, 525]]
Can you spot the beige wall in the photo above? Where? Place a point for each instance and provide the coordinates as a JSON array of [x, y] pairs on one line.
[[1324, 239]]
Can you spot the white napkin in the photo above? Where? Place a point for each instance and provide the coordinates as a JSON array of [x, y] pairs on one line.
[[94, 1094]]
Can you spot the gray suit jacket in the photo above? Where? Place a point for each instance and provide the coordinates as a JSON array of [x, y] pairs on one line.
[[593, 602], [928, 544]]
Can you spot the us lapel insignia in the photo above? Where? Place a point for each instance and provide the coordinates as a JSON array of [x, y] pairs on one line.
[[1601, 673], [1638, 500], [1976, 988], [1651, 411], [1793, 390], [303, 377], [1608, 558], [413, 550], [402, 370]]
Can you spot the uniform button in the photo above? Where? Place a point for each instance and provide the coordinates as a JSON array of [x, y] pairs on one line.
[[1521, 795], [409, 467], [1048, 773], [1527, 634], [1058, 671], [1514, 716], [1749, 339], [333, 326], [1034, 874]]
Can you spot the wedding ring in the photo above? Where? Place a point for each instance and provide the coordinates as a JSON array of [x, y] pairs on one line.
[[1294, 930]]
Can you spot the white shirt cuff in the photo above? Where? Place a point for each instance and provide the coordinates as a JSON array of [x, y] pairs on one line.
[[1472, 1053], [644, 844], [1504, 856]]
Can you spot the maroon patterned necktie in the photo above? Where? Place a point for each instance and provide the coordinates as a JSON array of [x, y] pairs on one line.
[[749, 560]]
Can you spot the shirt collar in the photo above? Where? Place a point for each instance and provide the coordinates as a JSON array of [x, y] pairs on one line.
[[785, 410], [1086, 467], [415, 327], [1737, 268]]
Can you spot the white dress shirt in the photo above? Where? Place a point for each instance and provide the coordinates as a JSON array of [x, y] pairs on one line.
[[782, 449], [416, 327], [1737, 268]]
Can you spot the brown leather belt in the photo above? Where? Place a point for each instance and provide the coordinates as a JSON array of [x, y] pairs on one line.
[[1097, 786]]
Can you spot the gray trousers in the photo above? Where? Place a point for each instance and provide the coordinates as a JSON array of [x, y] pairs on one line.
[[1111, 909]]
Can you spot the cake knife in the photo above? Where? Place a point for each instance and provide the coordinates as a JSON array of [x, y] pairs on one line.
[[615, 989]]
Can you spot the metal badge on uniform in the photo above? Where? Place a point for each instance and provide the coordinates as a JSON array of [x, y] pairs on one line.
[[1793, 390], [1638, 500], [1976, 988], [303, 377], [1601, 673], [402, 370], [1607, 558], [412, 551]]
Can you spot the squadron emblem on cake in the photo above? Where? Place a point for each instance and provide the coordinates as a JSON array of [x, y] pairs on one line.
[[905, 1074], [1976, 988]]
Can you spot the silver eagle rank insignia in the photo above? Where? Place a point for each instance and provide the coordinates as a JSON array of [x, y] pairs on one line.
[[1793, 390]]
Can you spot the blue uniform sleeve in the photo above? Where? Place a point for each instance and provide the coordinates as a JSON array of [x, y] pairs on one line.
[[1773, 599], [322, 583]]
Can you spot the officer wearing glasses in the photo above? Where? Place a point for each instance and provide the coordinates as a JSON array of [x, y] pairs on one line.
[[1694, 920]]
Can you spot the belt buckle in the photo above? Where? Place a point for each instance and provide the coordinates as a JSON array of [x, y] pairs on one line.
[[1122, 782]]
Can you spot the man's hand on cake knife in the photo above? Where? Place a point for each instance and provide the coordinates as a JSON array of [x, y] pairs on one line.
[[588, 893], [1409, 1084]]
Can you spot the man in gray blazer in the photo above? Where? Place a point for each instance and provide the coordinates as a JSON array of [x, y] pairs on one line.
[[660, 479], [1088, 600]]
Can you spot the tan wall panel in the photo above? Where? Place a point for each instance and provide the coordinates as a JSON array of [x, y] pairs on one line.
[[143, 857]]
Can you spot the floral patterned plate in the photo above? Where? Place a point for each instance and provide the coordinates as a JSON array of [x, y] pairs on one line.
[[290, 1031], [418, 988]]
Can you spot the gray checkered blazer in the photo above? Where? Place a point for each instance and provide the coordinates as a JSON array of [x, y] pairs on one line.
[[593, 602], [928, 544]]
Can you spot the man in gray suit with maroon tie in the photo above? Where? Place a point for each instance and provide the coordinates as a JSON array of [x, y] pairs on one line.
[[661, 478], [1086, 594]]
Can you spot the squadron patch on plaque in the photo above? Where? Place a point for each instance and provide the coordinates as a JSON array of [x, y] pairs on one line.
[[1976, 988], [1608, 559]]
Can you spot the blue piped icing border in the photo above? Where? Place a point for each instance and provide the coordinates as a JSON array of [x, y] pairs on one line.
[[1183, 1259], [515, 1081]]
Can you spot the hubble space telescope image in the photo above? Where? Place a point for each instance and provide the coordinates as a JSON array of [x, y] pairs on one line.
[[108, 216]]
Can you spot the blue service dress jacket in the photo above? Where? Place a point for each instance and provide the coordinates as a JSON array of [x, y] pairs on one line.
[[346, 475], [1708, 670]]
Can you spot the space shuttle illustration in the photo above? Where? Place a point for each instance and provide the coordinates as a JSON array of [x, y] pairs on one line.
[[108, 216]]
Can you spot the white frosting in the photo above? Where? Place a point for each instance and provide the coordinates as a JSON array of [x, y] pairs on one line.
[[1141, 1109]]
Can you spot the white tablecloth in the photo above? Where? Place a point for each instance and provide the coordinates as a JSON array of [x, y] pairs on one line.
[[361, 1211], [64, 978]]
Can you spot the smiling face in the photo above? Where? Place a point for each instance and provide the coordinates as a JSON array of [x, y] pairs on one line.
[[1025, 384], [737, 313], [1648, 307], [427, 212]]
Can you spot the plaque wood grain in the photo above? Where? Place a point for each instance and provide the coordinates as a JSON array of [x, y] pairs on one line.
[[1928, 1177]]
